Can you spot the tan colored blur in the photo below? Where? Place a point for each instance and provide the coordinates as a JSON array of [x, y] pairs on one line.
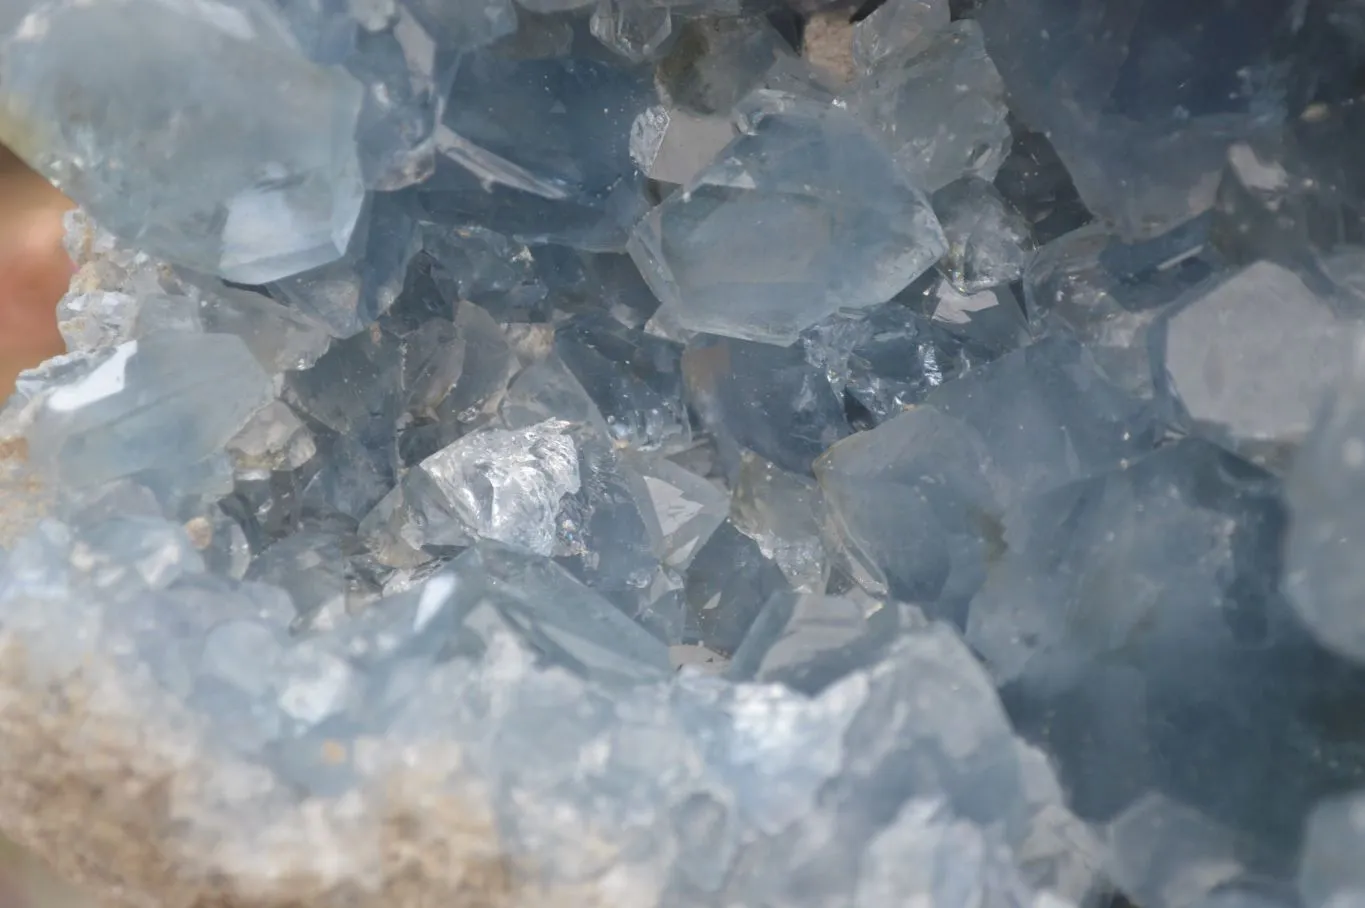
[[34, 270]]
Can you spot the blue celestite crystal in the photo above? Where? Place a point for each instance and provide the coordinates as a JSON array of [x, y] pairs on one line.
[[170, 154], [755, 248], [691, 453]]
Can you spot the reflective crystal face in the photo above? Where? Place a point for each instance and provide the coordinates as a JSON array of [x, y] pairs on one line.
[[798, 218], [582, 453]]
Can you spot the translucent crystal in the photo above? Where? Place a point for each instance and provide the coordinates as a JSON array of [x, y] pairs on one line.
[[1231, 357], [889, 357], [496, 588], [273, 439], [1167, 854], [1107, 293], [494, 484], [941, 111], [1144, 113], [688, 508], [1036, 183], [487, 268], [404, 79], [716, 61], [1073, 615], [433, 364], [672, 145], [988, 242], [354, 471], [279, 337], [1324, 577], [991, 322], [310, 566], [781, 511], [917, 502], [839, 228], [465, 25], [635, 31], [727, 583], [255, 204], [634, 379], [163, 401], [540, 150], [764, 399], [348, 295], [897, 27], [809, 640]]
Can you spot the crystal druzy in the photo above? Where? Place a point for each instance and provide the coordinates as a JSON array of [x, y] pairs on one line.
[[587, 453]]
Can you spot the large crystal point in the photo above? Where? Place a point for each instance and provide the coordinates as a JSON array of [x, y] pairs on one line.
[[165, 401], [941, 110], [801, 216], [181, 151]]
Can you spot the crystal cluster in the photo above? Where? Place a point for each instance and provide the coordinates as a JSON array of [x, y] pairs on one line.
[[732, 483]]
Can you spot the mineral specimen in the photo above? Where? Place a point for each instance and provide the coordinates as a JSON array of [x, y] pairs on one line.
[[575, 454], [801, 216]]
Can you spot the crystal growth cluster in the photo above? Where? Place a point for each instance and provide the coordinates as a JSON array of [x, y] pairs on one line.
[[938, 483]]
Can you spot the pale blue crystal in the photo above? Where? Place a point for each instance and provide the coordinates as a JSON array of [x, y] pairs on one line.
[[164, 401], [800, 217], [349, 295], [764, 399], [727, 583], [941, 110], [494, 484], [897, 27], [988, 242], [230, 186], [1107, 293], [634, 379], [1324, 576], [807, 641], [917, 502], [1231, 359]]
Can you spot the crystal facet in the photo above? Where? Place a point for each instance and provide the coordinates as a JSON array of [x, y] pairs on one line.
[[756, 248], [181, 176]]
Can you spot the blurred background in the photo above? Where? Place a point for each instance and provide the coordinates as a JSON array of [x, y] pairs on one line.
[[34, 270]]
